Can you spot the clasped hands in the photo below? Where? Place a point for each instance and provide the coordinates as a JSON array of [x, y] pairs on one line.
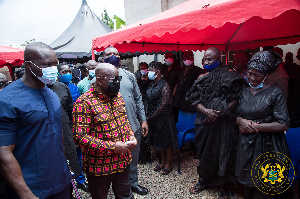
[[121, 147], [212, 115], [246, 126]]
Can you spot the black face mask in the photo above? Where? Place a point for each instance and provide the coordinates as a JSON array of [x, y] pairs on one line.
[[113, 88]]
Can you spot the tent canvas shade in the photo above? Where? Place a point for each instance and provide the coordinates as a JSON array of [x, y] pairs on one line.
[[198, 25], [76, 40], [11, 57]]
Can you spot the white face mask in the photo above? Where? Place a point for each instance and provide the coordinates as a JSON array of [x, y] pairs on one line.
[[144, 72], [49, 74], [188, 62], [169, 61], [151, 75]]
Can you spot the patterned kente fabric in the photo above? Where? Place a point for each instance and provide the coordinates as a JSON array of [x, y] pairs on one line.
[[98, 122]]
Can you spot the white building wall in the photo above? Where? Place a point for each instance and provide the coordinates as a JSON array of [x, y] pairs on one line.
[[137, 10]]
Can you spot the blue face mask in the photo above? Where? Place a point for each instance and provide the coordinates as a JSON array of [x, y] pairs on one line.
[[92, 73], [213, 66], [65, 78], [259, 86], [114, 60], [151, 75]]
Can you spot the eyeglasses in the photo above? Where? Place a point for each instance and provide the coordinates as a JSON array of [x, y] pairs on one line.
[[113, 79]]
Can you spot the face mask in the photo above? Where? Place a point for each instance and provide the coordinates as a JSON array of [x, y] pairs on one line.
[[188, 62], [114, 60], [259, 86], [113, 88], [92, 73], [49, 74], [151, 75], [169, 61], [211, 67], [144, 72], [65, 78]]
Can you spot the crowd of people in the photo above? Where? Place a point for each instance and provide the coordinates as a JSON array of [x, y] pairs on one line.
[[96, 122]]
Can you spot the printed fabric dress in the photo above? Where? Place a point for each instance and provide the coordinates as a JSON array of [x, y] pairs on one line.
[[264, 107], [162, 130]]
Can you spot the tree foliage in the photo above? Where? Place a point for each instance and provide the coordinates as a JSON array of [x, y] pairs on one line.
[[108, 21]]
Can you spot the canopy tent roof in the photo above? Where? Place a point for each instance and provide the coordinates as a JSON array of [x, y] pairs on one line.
[[77, 38], [197, 25], [10, 56]]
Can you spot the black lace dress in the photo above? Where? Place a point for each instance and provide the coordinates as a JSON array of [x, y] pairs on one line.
[[162, 130], [264, 107]]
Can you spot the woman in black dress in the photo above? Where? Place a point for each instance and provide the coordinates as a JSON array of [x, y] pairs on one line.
[[162, 130], [263, 118]]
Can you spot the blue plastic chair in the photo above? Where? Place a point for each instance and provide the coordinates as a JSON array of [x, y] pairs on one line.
[[185, 130], [293, 138]]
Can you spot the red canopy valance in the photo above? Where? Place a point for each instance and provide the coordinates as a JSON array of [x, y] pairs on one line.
[[197, 25]]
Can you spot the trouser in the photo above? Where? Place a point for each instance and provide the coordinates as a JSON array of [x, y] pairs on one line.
[[81, 178], [65, 193], [2, 187], [99, 185], [135, 158], [145, 153]]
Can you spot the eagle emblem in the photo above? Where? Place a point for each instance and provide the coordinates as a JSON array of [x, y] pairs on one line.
[[273, 173]]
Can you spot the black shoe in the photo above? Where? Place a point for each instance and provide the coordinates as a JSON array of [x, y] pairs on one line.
[[197, 188], [140, 190], [84, 187]]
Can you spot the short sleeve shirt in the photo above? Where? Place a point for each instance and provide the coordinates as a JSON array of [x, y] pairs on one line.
[[83, 85], [30, 119]]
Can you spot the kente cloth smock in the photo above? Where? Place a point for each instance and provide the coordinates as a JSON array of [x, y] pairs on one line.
[[264, 107], [98, 123], [216, 142], [30, 119], [162, 130]]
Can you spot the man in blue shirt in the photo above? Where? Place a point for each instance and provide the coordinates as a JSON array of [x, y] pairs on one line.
[[31, 143]]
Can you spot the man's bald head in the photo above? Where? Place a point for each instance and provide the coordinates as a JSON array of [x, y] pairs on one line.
[[109, 51], [3, 78], [105, 72], [211, 55], [104, 69], [37, 50], [91, 64], [215, 50]]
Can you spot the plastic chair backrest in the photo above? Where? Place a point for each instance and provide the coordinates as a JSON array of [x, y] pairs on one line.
[[186, 120], [293, 138]]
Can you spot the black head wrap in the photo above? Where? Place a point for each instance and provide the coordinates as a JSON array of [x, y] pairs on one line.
[[265, 61]]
